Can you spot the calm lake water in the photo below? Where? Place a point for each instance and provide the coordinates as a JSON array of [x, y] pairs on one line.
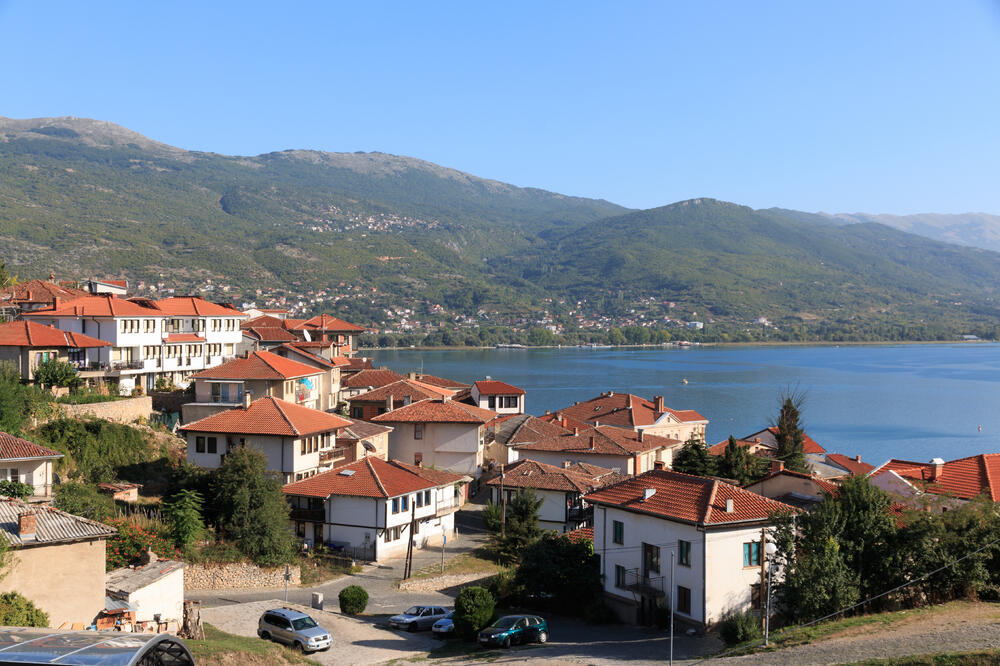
[[880, 401]]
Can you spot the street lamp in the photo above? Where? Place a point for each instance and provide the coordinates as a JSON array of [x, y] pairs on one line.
[[770, 550]]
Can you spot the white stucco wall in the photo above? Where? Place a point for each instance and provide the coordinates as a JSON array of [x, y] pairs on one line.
[[165, 596], [557, 458], [456, 448]]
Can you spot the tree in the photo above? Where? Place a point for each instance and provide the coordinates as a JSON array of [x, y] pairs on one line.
[[55, 373], [6, 279], [562, 573], [251, 509], [19, 402], [694, 458], [353, 600], [183, 511], [521, 527], [17, 611], [16, 489], [474, 608], [737, 463], [790, 436], [866, 533], [85, 500]]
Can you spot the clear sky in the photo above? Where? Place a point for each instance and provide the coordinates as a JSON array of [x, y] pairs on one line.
[[842, 106]]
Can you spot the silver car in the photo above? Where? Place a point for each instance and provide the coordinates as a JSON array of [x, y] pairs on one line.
[[418, 617], [293, 628]]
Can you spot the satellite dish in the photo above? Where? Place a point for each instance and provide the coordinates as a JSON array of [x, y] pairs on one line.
[[368, 446]]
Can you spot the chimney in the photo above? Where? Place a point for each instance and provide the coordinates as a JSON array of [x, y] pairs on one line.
[[658, 403], [647, 493], [547, 412], [446, 398], [247, 399], [756, 440], [55, 301], [389, 405], [659, 464], [857, 458], [642, 435], [411, 375], [597, 424], [777, 466], [938, 468], [566, 464], [592, 447], [418, 459], [729, 506], [26, 526], [611, 394], [576, 431]]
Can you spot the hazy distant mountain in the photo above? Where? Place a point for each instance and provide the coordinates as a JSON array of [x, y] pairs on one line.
[[972, 229]]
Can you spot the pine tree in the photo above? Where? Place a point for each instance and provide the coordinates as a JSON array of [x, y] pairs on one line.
[[184, 513], [790, 437], [737, 463], [694, 458]]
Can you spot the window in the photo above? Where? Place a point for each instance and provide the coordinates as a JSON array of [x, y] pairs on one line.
[[650, 559], [684, 553], [356, 412], [510, 401], [216, 392], [427, 498], [751, 554], [492, 402], [619, 576], [683, 600], [199, 444], [302, 446], [395, 505], [418, 500], [404, 503], [300, 530], [9, 474], [418, 431], [618, 531], [213, 445]]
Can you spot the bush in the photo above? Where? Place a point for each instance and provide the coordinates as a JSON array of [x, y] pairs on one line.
[[128, 546], [16, 611], [738, 628], [83, 500], [473, 611], [504, 587], [16, 489], [55, 373], [353, 600]]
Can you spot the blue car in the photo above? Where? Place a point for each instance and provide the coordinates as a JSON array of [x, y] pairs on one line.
[[514, 630]]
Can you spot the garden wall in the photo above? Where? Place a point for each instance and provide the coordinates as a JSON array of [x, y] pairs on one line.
[[122, 411], [236, 576]]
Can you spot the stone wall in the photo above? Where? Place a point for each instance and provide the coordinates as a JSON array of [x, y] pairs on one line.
[[435, 583], [122, 411], [236, 576]]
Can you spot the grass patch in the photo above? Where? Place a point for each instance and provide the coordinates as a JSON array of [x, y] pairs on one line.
[[316, 570], [476, 561], [222, 649], [975, 658]]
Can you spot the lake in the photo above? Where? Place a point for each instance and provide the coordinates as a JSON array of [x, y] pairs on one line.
[[878, 401]]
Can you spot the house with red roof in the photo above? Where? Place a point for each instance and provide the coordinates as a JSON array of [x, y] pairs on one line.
[[360, 440], [27, 462], [802, 491], [764, 444], [938, 483], [26, 344], [709, 530], [34, 295], [622, 449], [372, 508], [343, 335], [625, 410], [292, 437], [500, 397], [439, 433], [561, 490], [384, 399], [257, 375], [367, 379], [507, 432]]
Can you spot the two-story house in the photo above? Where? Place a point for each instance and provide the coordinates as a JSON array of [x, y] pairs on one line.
[[497, 396], [26, 344], [625, 410], [622, 449], [443, 434], [292, 437], [712, 531], [259, 374], [506, 433], [945, 484], [384, 399], [27, 462], [372, 508], [367, 379], [343, 335], [331, 366], [34, 295], [362, 439], [561, 490]]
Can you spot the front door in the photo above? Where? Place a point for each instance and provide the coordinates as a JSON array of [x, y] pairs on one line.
[[317, 534]]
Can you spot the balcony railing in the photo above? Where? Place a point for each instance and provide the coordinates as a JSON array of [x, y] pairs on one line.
[[314, 515], [126, 365], [647, 586], [579, 514]]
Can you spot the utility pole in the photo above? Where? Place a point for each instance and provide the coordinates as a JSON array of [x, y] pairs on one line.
[[670, 600], [407, 568], [763, 569], [503, 505]]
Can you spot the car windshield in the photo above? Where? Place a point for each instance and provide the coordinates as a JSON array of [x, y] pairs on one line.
[[303, 623], [505, 623], [416, 610]]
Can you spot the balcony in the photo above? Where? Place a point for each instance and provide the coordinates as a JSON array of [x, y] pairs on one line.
[[579, 514], [647, 586], [312, 515], [126, 365], [327, 456]]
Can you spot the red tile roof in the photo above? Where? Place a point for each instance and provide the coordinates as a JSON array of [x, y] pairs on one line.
[[494, 387], [823, 484], [15, 448], [853, 465], [269, 416], [686, 498], [259, 365], [964, 478], [626, 410], [359, 430], [33, 334], [268, 333], [105, 305], [602, 440], [39, 291], [528, 473], [174, 338], [290, 351], [372, 378], [435, 476], [361, 363], [582, 534], [720, 448], [565, 422], [263, 321], [369, 477], [514, 429], [442, 382], [192, 306], [325, 322], [404, 388], [436, 411]]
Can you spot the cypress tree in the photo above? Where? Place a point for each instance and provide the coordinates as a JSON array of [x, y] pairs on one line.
[[790, 437]]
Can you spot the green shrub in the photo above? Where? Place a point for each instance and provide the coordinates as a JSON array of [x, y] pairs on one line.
[[473, 610], [738, 628], [16, 489], [16, 611], [55, 373], [353, 600], [504, 587], [81, 499], [128, 546]]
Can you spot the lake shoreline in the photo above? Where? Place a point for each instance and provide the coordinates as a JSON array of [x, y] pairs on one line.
[[674, 345]]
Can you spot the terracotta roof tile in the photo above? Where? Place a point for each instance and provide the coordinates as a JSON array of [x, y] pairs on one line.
[[268, 333], [290, 351], [368, 477], [852, 465], [263, 321], [192, 306], [582, 534], [259, 365], [269, 416], [441, 382], [325, 322], [105, 305], [494, 387], [436, 411], [401, 390], [32, 334], [358, 364], [359, 430], [528, 473], [39, 291], [964, 478], [514, 429], [602, 440], [687, 498], [372, 378], [174, 338], [625, 410], [15, 448]]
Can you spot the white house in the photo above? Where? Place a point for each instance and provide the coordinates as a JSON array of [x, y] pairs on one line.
[[500, 397], [369, 506], [27, 462], [712, 529], [625, 450], [626, 410], [443, 434], [155, 590], [297, 441]]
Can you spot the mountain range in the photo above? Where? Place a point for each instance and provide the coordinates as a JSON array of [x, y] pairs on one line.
[[82, 197]]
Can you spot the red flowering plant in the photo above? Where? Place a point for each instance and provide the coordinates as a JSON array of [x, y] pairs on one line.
[[127, 547]]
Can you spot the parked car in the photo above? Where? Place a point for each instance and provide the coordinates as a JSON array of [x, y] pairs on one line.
[[515, 629], [445, 627], [293, 628], [417, 618]]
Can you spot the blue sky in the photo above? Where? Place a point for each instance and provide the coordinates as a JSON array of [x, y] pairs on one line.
[[848, 106]]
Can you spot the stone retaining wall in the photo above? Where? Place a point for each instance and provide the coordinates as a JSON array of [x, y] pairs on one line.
[[236, 576], [435, 583], [122, 411]]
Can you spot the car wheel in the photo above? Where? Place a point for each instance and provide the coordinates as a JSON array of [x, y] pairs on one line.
[[411, 627], [300, 648], [543, 636], [265, 635], [506, 643]]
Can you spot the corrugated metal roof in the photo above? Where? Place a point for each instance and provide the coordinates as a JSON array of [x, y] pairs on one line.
[[128, 580], [51, 525], [107, 648]]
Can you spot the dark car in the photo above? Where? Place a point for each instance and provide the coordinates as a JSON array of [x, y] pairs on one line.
[[293, 628], [515, 629]]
